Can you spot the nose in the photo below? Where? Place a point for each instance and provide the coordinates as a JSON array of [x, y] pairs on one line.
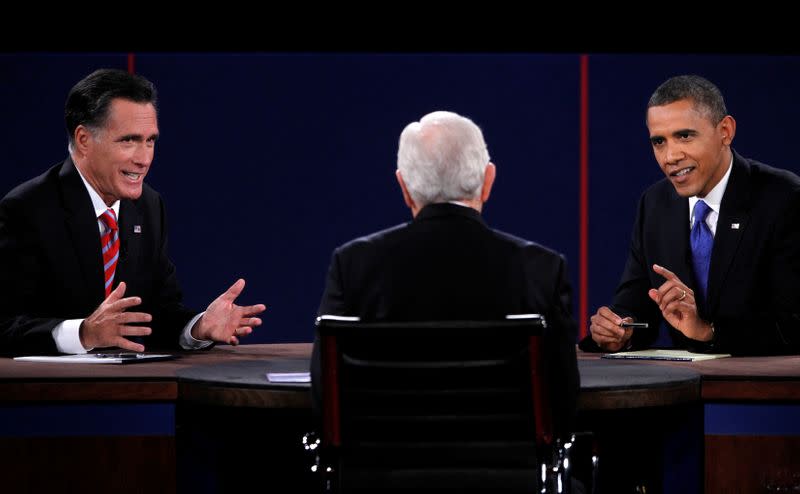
[[673, 154], [144, 154]]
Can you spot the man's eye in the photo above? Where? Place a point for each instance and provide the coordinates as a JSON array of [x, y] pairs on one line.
[[657, 141]]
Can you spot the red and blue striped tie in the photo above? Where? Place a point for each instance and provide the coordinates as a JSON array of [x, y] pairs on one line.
[[109, 239]]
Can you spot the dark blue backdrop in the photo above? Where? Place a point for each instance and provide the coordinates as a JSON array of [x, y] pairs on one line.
[[269, 161]]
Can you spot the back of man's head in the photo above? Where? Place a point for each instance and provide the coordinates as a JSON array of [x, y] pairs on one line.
[[442, 158], [89, 101]]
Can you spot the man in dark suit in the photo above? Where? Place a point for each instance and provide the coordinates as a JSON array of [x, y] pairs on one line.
[[83, 247], [715, 250], [447, 263]]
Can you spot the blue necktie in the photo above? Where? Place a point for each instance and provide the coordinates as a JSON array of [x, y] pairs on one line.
[[702, 241]]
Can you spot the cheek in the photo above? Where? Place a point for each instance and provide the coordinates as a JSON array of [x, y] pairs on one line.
[[660, 159]]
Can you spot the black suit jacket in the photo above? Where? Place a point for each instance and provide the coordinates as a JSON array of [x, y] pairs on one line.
[[754, 277], [51, 262], [447, 264]]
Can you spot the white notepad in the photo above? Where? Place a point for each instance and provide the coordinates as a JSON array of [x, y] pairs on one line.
[[656, 354], [98, 358], [289, 377]]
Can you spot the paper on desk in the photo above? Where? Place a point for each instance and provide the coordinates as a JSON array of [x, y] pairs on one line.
[[657, 354], [96, 358], [289, 377]]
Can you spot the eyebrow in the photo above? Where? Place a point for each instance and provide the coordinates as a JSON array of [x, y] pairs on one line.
[[677, 133], [136, 137]]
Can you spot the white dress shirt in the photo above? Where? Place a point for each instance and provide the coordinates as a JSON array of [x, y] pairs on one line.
[[713, 199]]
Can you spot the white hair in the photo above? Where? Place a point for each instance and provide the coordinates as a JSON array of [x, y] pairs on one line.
[[442, 158]]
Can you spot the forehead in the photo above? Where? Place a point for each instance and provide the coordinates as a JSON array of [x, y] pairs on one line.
[[128, 117], [678, 115]]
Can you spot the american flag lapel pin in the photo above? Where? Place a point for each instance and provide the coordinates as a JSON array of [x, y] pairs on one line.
[[138, 228], [734, 226]]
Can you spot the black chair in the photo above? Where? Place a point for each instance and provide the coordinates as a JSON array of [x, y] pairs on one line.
[[456, 405]]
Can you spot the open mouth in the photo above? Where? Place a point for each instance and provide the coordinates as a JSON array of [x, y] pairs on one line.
[[133, 177], [682, 172]]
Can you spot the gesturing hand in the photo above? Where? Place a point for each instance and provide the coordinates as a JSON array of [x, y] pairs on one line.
[[226, 322], [678, 306], [109, 324]]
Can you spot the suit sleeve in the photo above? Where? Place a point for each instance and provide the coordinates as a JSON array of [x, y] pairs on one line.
[[333, 301], [22, 329], [631, 299], [170, 316]]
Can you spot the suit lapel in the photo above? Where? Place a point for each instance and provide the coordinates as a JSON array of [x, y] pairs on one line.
[[83, 230], [677, 252], [732, 223], [130, 229]]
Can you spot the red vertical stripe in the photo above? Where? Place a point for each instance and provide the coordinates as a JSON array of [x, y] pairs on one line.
[[583, 283], [131, 63]]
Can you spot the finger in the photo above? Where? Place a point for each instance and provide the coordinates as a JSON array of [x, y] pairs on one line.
[[129, 317], [250, 321], [234, 291], [654, 295], [243, 331], [609, 315], [668, 292], [134, 330], [600, 339], [678, 294], [671, 284], [680, 306], [673, 293], [607, 319], [602, 327], [605, 340], [666, 273], [126, 344], [125, 303], [253, 310], [233, 340], [116, 293]]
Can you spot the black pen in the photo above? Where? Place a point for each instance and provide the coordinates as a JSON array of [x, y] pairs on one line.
[[634, 324], [118, 355]]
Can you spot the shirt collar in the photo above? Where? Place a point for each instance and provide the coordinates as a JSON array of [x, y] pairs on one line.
[[97, 203], [714, 198]]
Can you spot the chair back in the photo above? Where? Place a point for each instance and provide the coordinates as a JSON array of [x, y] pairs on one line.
[[441, 404]]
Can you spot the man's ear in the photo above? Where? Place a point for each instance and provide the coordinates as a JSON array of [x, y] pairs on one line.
[[727, 129], [488, 180], [406, 195], [82, 136]]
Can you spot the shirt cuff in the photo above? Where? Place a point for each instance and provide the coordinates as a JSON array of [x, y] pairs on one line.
[[189, 342], [67, 335]]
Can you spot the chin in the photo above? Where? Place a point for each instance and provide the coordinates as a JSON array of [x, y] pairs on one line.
[[131, 194], [686, 191]]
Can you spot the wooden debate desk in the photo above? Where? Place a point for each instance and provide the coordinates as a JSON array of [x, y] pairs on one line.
[[53, 414]]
